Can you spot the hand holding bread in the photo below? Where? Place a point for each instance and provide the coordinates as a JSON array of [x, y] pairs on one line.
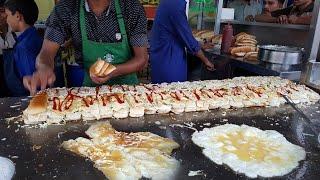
[[100, 71], [101, 68]]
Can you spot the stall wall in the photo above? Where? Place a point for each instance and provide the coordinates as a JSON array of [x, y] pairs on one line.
[[45, 7]]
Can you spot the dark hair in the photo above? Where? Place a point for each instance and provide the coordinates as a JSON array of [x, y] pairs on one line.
[[28, 9], [281, 1], [2, 3]]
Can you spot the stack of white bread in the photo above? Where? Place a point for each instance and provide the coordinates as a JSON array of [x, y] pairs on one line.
[[122, 101], [245, 46]]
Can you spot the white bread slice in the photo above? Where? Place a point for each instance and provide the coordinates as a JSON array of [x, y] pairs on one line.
[[38, 104]]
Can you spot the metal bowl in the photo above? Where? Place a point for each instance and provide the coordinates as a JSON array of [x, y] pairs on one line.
[[276, 54]]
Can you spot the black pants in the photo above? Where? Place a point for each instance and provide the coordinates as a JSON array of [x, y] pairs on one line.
[[3, 85]]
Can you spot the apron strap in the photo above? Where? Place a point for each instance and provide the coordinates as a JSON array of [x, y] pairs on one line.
[[82, 22], [122, 25]]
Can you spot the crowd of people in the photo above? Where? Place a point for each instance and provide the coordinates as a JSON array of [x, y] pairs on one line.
[[273, 11]]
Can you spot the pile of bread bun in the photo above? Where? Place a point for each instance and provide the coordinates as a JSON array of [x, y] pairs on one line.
[[203, 36], [101, 68], [207, 38], [245, 46]]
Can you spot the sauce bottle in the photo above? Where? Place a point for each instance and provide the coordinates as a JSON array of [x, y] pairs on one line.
[[227, 37]]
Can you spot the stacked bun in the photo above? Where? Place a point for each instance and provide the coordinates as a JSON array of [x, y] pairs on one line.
[[245, 46], [203, 36], [101, 68]]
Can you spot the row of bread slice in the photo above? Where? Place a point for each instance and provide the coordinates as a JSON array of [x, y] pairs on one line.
[[270, 82], [176, 100]]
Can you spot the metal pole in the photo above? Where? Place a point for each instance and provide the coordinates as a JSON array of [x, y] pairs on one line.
[[314, 36], [313, 47], [218, 18], [200, 16]]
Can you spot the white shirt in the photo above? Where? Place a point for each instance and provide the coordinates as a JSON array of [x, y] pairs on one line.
[[8, 42]]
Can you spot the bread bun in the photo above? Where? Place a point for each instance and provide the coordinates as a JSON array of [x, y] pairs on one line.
[[244, 49], [252, 56], [248, 40], [96, 67], [109, 70], [240, 54], [38, 104], [101, 68]]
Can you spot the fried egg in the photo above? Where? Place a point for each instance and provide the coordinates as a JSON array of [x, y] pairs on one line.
[[249, 150]]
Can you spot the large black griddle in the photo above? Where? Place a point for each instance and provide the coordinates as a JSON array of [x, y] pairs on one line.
[[22, 144]]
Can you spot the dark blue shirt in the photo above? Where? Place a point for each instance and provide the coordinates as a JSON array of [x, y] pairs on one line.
[[27, 48], [171, 36]]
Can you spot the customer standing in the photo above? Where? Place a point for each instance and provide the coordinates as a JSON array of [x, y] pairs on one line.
[[171, 35], [21, 16], [7, 41]]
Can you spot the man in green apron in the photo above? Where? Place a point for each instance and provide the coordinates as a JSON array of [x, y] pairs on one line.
[[114, 30]]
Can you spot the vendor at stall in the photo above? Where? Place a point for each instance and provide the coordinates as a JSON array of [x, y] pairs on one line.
[[20, 62], [98, 29], [269, 7], [171, 35], [299, 13]]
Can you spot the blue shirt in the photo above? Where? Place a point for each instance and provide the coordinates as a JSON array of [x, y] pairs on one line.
[[26, 50], [171, 35]]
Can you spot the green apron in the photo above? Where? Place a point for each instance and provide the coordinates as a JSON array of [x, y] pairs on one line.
[[120, 51]]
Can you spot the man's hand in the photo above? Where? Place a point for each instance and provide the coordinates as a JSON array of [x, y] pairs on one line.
[[104, 79], [292, 19], [43, 77], [283, 19], [209, 65], [250, 18], [44, 74]]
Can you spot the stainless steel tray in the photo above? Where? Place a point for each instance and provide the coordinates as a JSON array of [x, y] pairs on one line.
[[276, 54]]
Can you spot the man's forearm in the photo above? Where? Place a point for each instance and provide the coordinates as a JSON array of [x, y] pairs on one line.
[[305, 20], [201, 56], [137, 63], [265, 18], [47, 54]]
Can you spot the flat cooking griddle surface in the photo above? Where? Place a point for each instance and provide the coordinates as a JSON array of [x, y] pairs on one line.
[[38, 155]]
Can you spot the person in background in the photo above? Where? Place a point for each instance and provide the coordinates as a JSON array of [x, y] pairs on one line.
[[7, 41], [269, 7], [245, 10], [170, 36], [21, 16], [299, 13]]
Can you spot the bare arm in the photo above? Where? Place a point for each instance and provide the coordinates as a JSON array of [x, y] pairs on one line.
[[44, 74], [265, 18], [305, 20], [135, 64], [47, 54], [205, 60]]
